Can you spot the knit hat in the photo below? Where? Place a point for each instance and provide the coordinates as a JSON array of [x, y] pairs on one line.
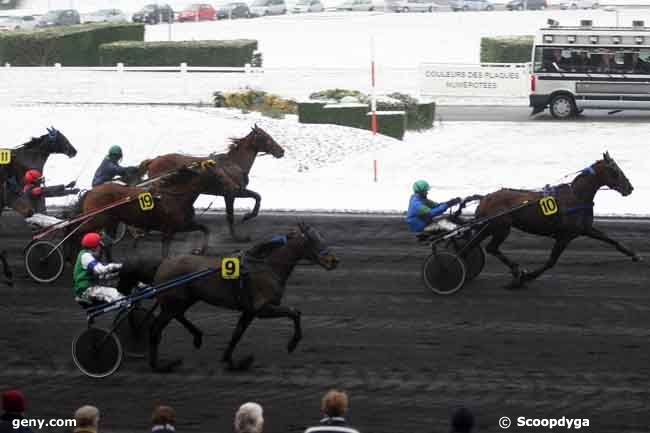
[[13, 401]]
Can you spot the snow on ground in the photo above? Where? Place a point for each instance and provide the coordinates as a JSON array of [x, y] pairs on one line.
[[328, 167]]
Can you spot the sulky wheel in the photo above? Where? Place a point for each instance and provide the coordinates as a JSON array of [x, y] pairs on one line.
[[132, 328], [44, 261], [474, 259], [444, 272], [96, 352], [120, 232]]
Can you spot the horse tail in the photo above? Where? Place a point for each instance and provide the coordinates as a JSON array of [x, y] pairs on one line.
[[6, 269]]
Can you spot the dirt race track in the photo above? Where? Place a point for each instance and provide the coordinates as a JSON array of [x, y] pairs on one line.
[[574, 343]]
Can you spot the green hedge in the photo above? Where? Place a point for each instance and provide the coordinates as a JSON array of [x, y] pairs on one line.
[[235, 53], [507, 49], [390, 123], [71, 45]]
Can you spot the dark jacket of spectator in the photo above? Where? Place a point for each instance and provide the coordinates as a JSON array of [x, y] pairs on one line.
[[6, 424]]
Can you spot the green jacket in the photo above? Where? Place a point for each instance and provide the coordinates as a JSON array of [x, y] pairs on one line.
[[82, 278]]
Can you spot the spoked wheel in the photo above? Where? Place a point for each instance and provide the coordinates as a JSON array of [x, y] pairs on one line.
[[120, 232], [133, 331], [444, 272], [44, 261], [96, 352], [474, 259]]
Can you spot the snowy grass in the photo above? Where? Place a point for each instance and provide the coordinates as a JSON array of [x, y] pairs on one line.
[[329, 167]]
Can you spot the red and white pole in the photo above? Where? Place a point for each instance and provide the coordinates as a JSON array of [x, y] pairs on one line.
[[373, 101]]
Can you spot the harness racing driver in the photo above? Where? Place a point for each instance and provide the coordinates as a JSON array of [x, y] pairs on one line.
[[89, 273], [422, 211]]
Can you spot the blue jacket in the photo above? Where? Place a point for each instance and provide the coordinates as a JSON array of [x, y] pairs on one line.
[[107, 170], [422, 211]]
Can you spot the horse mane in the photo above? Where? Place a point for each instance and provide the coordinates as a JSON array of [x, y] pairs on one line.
[[235, 143], [264, 249]]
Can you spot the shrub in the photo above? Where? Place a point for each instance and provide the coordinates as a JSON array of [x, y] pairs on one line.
[[235, 53], [256, 100], [71, 45], [507, 49], [338, 94]]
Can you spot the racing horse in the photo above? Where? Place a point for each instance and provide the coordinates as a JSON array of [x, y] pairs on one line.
[[573, 216], [30, 155], [173, 207], [237, 163], [6, 270], [257, 294]]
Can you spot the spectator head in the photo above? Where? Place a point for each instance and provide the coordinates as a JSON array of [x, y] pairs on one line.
[[163, 415], [87, 419], [334, 403], [249, 418], [13, 401], [462, 421]]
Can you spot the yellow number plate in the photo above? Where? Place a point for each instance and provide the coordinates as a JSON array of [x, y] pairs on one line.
[[146, 201], [230, 268], [5, 156], [548, 206]]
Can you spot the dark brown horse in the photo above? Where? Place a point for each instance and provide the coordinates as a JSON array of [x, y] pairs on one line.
[[30, 155], [237, 163], [573, 216], [173, 209], [267, 268]]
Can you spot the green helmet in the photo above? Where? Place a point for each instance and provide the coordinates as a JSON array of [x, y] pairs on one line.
[[115, 151], [421, 186]]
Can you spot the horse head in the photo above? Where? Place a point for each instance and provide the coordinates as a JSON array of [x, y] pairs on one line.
[[264, 143], [55, 142], [612, 176], [315, 247]]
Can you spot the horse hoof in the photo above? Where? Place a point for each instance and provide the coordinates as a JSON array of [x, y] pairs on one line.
[[198, 252], [241, 365], [637, 258], [292, 345], [247, 217], [198, 341]]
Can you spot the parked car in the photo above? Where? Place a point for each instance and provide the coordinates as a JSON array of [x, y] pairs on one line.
[[233, 10], [471, 5], [106, 16], [307, 6], [11, 24], [520, 5], [59, 17], [268, 7], [198, 12], [154, 14], [356, 5], [411, 5], [580, 4]]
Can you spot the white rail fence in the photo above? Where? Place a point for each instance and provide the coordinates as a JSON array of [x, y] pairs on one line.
[[183, 84]]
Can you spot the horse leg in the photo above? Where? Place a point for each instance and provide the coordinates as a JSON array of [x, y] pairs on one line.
[[166, 244], [193, 226], [594, 233], [155, 335], [230, 216], [499, 234], [274, 311], [192, 328], [244, 321], [247, 193], [556, 252]]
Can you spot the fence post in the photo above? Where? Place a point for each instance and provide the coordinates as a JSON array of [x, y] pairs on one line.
[[120, 67], [57, 65], [7, 65]]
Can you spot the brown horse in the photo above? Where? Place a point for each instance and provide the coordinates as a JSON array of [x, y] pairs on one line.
[[257, 294], [573, 216], [237, 163], [33, 154], [173, 209]]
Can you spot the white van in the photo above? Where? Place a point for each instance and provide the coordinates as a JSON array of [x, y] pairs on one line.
[[260, 8]]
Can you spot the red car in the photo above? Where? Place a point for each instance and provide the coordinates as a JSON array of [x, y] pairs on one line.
[[198, 12]]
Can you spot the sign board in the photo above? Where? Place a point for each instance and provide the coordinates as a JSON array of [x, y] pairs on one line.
[[492, 80]]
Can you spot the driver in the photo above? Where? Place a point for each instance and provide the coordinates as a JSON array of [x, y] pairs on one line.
[[422, 211], [89, 273], [34, 189], [110, 167]]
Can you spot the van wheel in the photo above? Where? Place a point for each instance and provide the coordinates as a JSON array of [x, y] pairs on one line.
[[563, 107]]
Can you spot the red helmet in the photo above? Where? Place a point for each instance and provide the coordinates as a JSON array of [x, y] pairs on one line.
[[91, 240], [32, 175]]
